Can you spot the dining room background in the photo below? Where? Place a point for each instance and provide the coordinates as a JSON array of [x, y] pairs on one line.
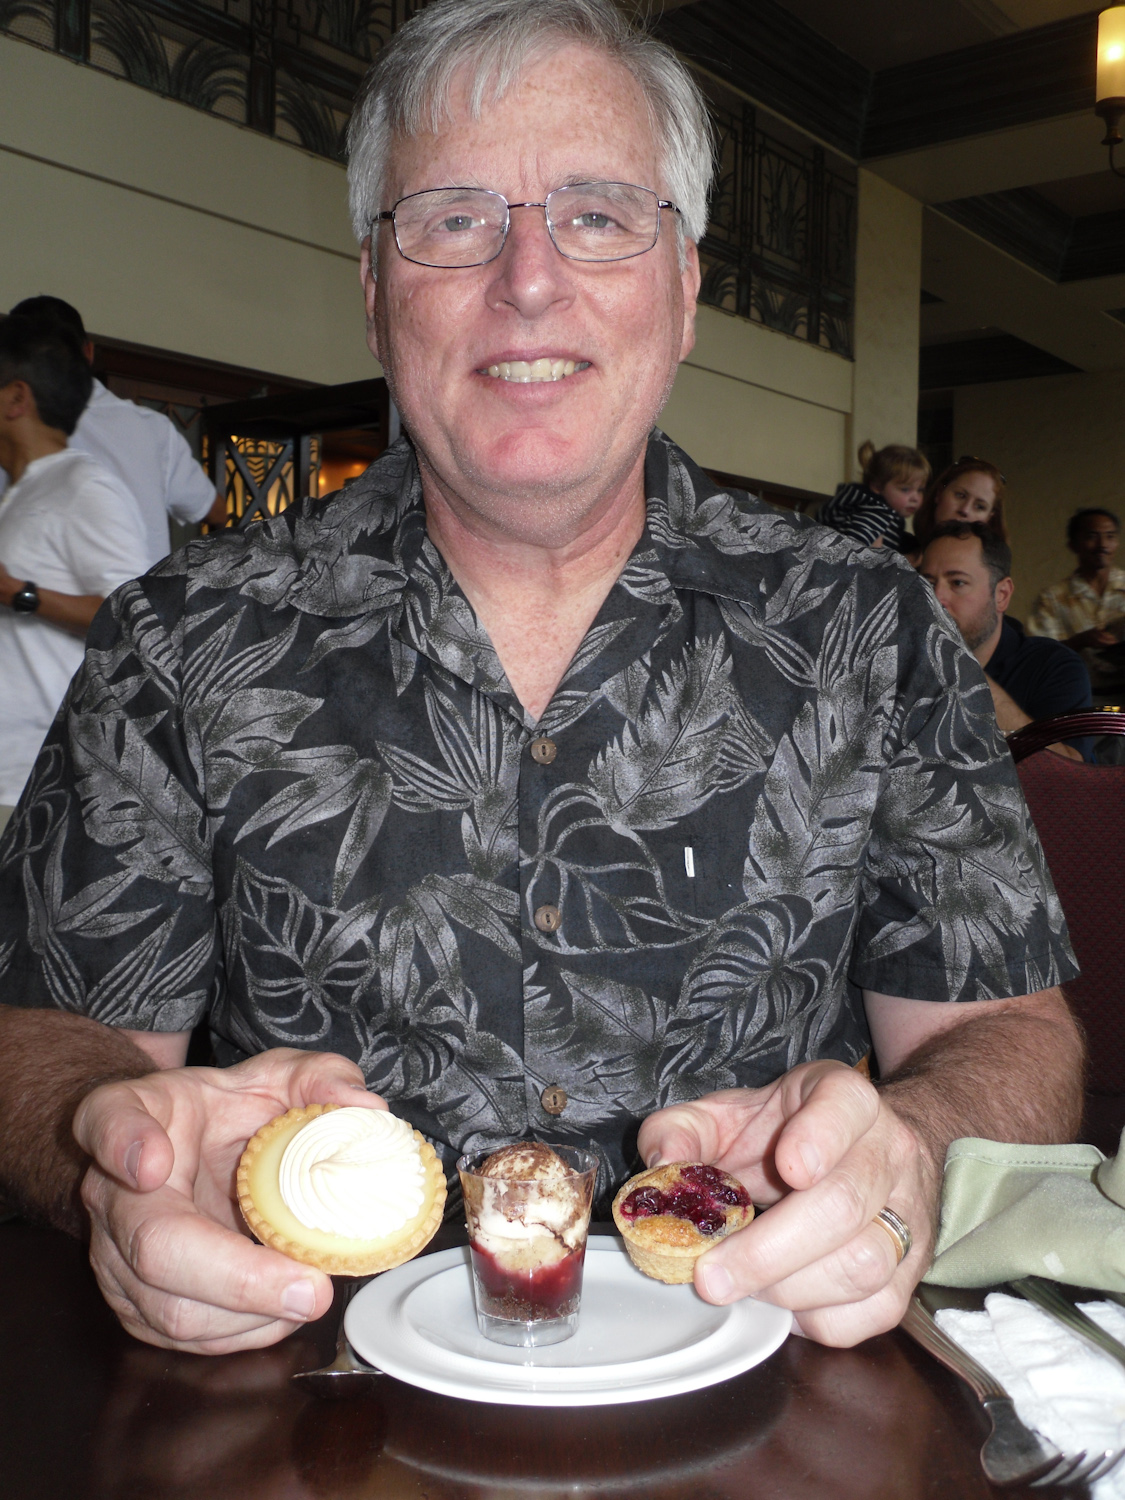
[[913, 235]]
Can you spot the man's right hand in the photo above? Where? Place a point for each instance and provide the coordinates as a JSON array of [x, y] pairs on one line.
[[167, 1245], [1088, 638]]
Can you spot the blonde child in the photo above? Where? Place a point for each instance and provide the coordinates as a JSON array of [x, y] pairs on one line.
[[874, 511]]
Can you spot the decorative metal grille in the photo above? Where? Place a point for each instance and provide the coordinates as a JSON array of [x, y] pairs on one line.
[[781, 246]]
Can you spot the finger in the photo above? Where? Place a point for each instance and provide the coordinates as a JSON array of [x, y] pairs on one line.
[[683, 1132], [847, 1324], [175, 1323], [114, 1126], [828, 1109], [302, 1078], [855, 1272], [804, 1230], [177, 1252]]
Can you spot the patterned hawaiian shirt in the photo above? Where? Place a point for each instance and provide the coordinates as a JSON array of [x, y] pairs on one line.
[[1074, 606], [291, 790]]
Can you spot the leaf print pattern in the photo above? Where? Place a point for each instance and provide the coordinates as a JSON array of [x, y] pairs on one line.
[[291, 791]]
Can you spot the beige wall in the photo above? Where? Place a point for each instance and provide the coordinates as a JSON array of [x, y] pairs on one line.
[[753, 402], [1060, 441], [170, 227], [888, 295]]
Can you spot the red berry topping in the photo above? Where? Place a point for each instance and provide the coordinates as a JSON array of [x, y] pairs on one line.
[[700, 1196]]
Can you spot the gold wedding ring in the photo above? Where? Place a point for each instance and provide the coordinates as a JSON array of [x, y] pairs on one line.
[[898, 1230]]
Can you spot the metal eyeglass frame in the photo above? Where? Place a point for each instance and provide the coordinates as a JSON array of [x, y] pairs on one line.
[[388, 215]]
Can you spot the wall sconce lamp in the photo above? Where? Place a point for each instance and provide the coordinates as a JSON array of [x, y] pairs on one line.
[[1111, 78]]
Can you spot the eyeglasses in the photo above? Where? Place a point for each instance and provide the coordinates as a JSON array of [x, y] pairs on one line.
[[588, 221]]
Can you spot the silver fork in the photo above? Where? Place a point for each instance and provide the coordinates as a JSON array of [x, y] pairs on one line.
[[1012, 1454], [347, 1372]]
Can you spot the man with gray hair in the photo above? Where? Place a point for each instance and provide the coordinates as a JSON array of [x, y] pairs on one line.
[[531, 784]]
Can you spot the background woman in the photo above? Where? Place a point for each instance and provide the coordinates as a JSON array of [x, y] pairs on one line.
[[972, 489]]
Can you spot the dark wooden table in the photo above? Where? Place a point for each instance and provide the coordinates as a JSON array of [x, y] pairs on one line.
[[87, 1413]]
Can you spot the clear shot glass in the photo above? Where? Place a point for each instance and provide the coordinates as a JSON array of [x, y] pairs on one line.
[[527, 1240]]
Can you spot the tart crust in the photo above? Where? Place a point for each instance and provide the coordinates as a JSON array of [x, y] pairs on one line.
[[268, 1219], [661, 1245]]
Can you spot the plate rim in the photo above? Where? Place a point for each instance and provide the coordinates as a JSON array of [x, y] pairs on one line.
[[613, 1387]]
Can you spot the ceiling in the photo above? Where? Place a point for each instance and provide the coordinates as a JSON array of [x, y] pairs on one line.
[[983, 110], [886, 33]]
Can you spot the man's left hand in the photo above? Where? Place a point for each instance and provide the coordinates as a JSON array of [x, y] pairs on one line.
[[825, 1152]]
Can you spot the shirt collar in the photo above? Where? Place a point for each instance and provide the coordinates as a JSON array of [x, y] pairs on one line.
[[355, 553], [1006, 648]]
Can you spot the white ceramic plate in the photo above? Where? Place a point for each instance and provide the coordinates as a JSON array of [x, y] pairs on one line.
[[637, 1339]]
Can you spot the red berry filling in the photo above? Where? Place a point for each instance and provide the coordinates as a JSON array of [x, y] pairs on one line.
[[701, 1196]]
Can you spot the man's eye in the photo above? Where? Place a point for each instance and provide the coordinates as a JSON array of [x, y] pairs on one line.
[[457, 222], [594, 219]]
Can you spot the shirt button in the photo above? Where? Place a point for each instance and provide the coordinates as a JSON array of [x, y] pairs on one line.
[[553, 1099], [544, 750], [548, 918]]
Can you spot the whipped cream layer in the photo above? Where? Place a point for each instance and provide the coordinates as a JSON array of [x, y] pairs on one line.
[[353, 1172]]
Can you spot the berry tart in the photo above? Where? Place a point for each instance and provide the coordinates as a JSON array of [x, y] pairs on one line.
[[350, 1190], [671, 1214]]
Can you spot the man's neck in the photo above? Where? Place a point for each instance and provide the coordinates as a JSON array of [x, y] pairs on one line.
[[537, 596], [1097, 578], [23, 446]]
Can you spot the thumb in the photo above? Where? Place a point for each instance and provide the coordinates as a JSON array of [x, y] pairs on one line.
[[678, 1133], [113, 1126]]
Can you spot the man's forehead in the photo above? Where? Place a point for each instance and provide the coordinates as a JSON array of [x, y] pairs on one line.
[[571, 115], [955, 554]]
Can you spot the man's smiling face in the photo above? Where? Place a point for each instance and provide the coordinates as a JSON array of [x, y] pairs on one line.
[[534, 456]]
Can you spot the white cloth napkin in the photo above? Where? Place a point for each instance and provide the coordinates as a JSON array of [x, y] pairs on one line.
[[1068, 1390]]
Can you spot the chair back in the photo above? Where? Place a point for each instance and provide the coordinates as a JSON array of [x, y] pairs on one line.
[[1079, 811]]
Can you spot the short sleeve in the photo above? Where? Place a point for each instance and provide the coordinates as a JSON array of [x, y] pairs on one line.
[[957, 900], [188, 491], [103, 536], [1045, 618], [106, 904]]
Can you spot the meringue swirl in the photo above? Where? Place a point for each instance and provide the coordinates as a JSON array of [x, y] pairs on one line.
[[353, 1172]]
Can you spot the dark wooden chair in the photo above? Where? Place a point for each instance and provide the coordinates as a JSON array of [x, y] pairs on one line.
[[1079, 810]]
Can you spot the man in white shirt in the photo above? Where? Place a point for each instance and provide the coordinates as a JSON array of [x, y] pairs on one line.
[[69, 534], [141, 447]]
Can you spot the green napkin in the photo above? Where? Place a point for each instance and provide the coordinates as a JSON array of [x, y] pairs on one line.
[[1007, 1211]]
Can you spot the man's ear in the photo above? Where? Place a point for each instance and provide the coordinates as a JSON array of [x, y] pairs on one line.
[[369, 281], [1003, 595], [689, 280], [16, 400]]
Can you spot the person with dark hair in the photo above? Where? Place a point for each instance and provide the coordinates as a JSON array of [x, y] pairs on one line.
[[1087, 610], [69, 533], [874, 511], [970, 569], [140, 446]]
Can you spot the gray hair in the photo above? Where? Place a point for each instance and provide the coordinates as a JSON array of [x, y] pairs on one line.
[[407, 90]]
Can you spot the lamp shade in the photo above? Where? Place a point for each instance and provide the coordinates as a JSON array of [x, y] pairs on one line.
[[1111, 54]]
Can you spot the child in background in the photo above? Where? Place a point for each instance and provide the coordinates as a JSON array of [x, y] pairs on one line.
[[874, 511]]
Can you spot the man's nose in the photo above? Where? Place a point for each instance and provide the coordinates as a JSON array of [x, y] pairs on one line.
[[531, 275]]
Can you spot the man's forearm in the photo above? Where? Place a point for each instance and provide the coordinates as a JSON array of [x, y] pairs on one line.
[[1010, 1075], [49, 1062]]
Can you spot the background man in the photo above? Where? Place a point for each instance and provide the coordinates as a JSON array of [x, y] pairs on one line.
[[141, 447], [970, 570], [1087, 610], [530, 769], [69, 534]]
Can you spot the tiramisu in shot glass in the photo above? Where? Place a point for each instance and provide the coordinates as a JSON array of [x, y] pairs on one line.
[[527, 1208]]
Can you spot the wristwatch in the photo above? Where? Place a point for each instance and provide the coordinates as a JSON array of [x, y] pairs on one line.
[[26, 602]]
